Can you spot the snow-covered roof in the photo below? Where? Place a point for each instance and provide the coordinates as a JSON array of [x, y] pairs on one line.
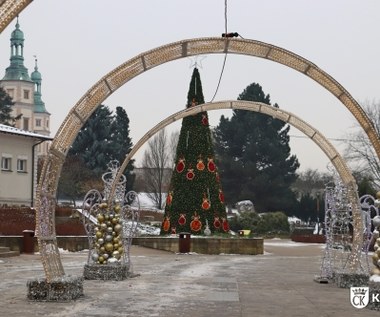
[[12, 130]]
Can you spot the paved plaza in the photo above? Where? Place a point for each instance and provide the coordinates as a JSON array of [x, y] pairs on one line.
[[278, 283]]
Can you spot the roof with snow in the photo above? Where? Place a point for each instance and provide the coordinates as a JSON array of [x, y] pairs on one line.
[[12, 130]]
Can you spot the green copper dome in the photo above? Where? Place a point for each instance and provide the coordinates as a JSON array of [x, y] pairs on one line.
[[36, 75], [17, 70], [17, 35]]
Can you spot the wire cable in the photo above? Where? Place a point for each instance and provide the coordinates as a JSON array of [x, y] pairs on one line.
[[225, 55]]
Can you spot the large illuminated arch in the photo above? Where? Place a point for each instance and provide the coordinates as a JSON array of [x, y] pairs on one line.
[[78, 115], [280, 114], [9, 9]]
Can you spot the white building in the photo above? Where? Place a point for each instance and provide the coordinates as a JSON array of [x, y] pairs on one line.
[[25, 91], [18, 173]]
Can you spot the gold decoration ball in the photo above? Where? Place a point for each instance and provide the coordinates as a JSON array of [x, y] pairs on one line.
[[109, 247], [116, 254], [117, 208], [100, 218], [107, 217], [121, 250], [102, 249], [118, 227], [116, 240], [103, 205], [115, 220], [375, 258], [99, 234], [101, 259], [115, 246], [375, 271], [378, 195]]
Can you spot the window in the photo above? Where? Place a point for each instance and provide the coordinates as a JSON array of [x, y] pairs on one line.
[[11, 93], [38, 122], [47, 123], [21, 165], [26, 94], [6, 163], [26, 123]]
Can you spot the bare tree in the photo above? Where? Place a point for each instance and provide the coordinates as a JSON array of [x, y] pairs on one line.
[[359, 150], [157, 158], [311, 182]]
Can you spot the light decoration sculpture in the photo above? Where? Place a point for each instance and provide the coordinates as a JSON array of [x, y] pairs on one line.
[[110, 223], [339, 232]]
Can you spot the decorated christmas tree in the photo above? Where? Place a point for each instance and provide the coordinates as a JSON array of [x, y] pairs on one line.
[[195, 201]]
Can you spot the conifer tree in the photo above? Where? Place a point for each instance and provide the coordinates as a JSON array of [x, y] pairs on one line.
[[195, 198], [6, 104]]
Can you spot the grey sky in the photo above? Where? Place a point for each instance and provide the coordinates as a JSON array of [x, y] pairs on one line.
[[78, 42]]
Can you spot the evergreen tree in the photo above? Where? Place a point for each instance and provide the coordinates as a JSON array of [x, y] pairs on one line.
[[195, 195], [6, 104], [103, 138], [122, 143], [93, 143], [255, 156]]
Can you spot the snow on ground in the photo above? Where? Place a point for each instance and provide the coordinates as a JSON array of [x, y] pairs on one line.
[[277, 242]]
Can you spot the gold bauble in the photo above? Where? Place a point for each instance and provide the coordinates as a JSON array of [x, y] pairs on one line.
[[103, 205], [99, 234], [107, 217], [115, 246], [100, 218], [120, 244], [121, 250], [102, 249], [375, 271], [109, 247], [101, 259], [378, 195], [116, 240], [117, 208], [375, 258], [118, 227], [115, 221]]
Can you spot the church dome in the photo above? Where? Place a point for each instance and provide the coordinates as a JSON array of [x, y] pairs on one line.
[[17, 35], [36, 75]]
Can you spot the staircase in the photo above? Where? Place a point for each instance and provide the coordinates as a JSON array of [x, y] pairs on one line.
[[5, 252]]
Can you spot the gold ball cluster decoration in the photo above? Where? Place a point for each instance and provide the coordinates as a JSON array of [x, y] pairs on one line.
[[108, 242]]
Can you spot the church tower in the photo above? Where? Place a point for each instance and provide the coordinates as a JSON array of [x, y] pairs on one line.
[[25, 91]]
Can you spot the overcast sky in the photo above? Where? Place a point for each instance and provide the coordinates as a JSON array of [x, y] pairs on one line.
[[78, 42]]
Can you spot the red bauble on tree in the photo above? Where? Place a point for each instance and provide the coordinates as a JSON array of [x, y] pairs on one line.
[[166, 224], [169, 199], [180, 165], [182, 219], [217, 223], [221, 196], [225, 225], [195, 224], [190, 174], [200, 165], [206, 203], [211, 165], [204, 119]]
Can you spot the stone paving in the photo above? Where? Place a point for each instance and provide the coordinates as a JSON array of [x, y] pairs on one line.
[[278, 283]]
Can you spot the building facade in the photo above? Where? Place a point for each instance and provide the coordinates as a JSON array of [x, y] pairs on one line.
[[25, 92], [18, 170]]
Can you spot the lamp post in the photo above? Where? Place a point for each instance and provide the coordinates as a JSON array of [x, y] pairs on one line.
[[318, 196]]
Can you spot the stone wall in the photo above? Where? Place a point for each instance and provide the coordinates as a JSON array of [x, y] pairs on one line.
[[199, 245]]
